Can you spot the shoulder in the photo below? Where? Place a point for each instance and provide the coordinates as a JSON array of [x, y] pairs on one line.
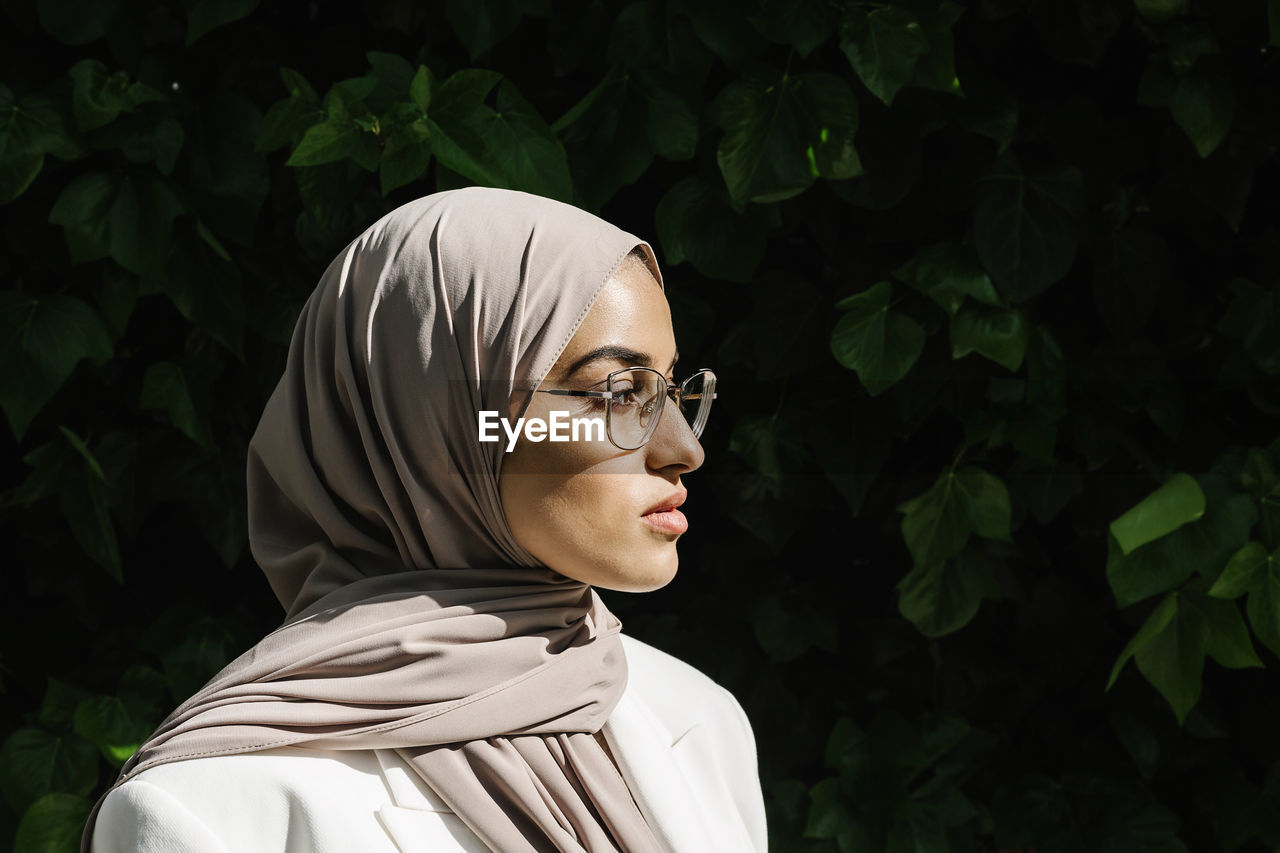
[[275, 800], [680, 694]]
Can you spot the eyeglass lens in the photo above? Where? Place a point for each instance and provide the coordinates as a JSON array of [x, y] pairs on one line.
[[639, 396]]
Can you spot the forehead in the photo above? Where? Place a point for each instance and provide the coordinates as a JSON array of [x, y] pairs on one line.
[[631, 311]]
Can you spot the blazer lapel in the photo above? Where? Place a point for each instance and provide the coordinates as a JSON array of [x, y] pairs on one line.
[[654, 764]]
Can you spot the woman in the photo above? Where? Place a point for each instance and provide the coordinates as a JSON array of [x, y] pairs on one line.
[[446, 677]]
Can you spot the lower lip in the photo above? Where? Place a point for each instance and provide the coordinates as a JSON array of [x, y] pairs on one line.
[[667, 521]]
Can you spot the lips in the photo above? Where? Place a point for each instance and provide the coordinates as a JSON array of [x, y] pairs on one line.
[[668, 503], [664, 518]]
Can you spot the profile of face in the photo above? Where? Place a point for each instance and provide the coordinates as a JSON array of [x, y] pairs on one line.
[[585, 508]]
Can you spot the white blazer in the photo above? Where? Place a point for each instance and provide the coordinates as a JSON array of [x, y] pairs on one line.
[[682, 742]]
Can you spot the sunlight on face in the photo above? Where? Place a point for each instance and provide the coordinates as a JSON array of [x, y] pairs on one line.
[[584, 508]]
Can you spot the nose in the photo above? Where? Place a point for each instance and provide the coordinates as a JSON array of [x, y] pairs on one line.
[[673, 444]]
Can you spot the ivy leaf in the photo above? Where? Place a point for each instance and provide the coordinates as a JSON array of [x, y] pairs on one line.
[[1203, 105], [1000, 334], [1201, 545], [1172, 659], [882, 46], [288, 117], [208, 15], [1253, 319], [43, 340], [948, 272], [1226, 637], [420, 88], [880, 345], [407, 153], [1242, 571], [935, 68], [1178, 501], [35, 762], [784, 131], [206, 289], [1263, 606], [108, 723], [1023, 228], [165, 387], [696, 222], [511, 146], [54, 822], [940, 598], [480, 24], [28, 131], [99, 96], [937, 523]]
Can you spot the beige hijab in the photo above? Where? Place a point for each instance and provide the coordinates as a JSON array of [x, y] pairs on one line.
[[414, 620]]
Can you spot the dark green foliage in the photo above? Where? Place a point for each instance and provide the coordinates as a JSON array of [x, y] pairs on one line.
[[991, 289]]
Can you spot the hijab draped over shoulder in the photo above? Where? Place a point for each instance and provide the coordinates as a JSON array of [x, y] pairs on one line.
[[414, 620]]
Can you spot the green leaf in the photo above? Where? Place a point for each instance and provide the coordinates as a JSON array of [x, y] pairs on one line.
[[695, 222], [510, 146], [1178, 501], [935, 68], [326, 142], [1203, 105], [21, 155], [420, 88], [108, 723], [59, 703], [1202, 545], [1226, 637], [290, 117], [165, 387], [783, 131], [1161, 10], [35, 762], [43, 340], [1155, 622], [880, 345], [406, 156], [127, 217], [480, 24], [1253, 319], [53, 824], [1000, 334], [1263, 606], [208, 15], [99, 96], [948, 272], [804, 24], [1241, 572], [937, 523], [207, 290], [1173, 659], [882, 46], [916, 829], [1023, 228], [829, 817], [86, 503], [940, 598]]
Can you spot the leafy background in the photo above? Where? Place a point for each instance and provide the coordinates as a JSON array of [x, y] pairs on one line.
[[987, 538]]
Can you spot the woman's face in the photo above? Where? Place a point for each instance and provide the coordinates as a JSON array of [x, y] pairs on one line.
[[586, 508]]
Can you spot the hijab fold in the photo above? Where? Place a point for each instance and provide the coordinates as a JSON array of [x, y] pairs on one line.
[[414, 619]]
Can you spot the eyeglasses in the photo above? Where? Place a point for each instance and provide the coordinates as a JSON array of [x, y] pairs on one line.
[[633, 398]]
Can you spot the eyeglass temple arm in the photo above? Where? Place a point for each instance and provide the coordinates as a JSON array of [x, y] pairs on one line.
[[564, 392]]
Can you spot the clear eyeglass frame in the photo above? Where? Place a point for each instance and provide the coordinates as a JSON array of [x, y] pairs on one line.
[[681, 393]]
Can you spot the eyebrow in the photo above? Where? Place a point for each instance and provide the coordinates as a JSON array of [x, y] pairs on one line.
[[616, 353]]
